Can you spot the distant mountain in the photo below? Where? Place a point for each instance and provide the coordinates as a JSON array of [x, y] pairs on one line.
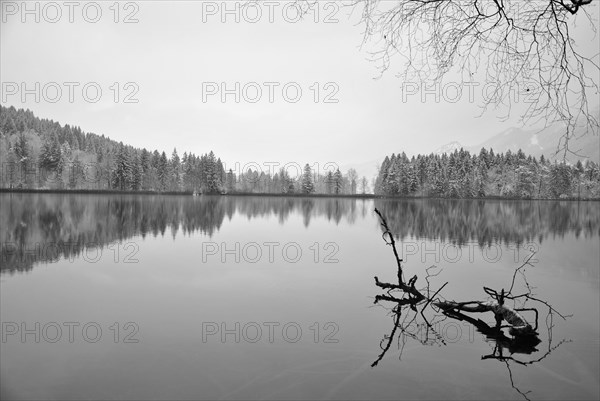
[[448, 148], [535, 143], [544, 142]]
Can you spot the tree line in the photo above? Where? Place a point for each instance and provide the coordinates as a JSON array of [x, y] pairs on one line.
[[43, 154], [461, 174]]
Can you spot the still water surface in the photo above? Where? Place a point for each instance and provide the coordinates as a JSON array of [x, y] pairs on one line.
[[180, 297]]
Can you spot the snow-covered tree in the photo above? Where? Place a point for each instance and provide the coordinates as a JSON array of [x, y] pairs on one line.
[[308, 186]]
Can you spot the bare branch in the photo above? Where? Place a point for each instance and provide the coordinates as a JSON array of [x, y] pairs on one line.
[[517, 48]]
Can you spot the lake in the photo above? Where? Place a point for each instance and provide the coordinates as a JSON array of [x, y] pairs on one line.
[[181, 297]]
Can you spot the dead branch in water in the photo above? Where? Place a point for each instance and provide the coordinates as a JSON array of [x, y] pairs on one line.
[[406, 296], [391, 242], [411, 296]]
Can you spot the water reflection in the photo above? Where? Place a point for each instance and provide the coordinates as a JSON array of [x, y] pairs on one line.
[[489, 221], [44, 227]]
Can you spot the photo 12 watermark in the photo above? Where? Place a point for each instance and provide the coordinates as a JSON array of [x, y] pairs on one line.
[[446, 332], [269, 92], [269, 252], [69, 92], [470, 91], [437, 251], [69, 332], [53, 12], [53, 252], [252, 12], [272, 332]]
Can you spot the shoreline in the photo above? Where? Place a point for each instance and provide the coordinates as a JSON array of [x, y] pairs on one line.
[[281, 195]]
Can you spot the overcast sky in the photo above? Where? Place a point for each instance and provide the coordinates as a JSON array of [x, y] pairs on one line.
[[177, 47]]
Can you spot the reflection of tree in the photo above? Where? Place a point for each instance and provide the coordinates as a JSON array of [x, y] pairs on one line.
[[425, 309], [65, 225], [43, 228], [307, 206], [489, 221]]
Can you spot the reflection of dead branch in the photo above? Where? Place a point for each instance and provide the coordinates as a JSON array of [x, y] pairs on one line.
[[512, 382], [389, 338], [498, 355], [523, 336]]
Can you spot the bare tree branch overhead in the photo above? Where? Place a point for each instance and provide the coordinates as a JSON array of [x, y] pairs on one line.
[[514, 47]]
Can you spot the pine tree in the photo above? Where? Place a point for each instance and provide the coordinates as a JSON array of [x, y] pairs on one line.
[[21, 148], [442, 185], [561, 178], [308, 186], [338, 183], [8, 126], [12, 168], [230, 181], [421, 171], [136, 172], [382, 176], [122, 172], [50, 154], [592, 172], [76, 175], [220, 170], [543, 174], [189, 174], [525, 184], [413, 179], [283, 180], [390, 184], [213, 177], [329, 182], [467, 186], [22, 153], [175, 171], [578, 173], [484, 157], [479, 184], [145, 167], [162, 172]]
